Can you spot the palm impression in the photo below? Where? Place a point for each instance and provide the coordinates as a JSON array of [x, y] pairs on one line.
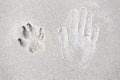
[[32, 38], [78, 38]]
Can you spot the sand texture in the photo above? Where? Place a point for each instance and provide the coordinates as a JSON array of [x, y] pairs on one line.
[[59, 40]]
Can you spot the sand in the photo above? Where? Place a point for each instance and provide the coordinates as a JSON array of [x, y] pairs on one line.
[[18, 63]]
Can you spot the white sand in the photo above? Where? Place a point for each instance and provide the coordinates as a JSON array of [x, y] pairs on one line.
[[17, 63]]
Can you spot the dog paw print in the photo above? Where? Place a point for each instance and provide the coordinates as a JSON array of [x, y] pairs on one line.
[[32, 38], [78, 38]]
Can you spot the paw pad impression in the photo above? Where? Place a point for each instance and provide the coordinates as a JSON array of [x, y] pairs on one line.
[[32, 38]]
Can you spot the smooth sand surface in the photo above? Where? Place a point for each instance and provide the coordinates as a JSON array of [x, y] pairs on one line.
[[17, 63]]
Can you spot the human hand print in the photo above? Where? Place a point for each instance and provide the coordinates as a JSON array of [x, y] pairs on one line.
[[32, 38], [78, 38]]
